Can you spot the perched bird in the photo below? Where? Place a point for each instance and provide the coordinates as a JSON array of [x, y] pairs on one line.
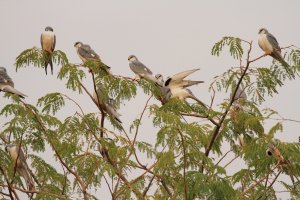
[[19, 159], [7, 84], [178, 86], [85, 53], [48, 41], [107, 106], [140, 70], [268, 43], [240, 94]]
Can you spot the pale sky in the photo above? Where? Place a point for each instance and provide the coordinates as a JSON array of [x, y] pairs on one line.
[[167, 36]]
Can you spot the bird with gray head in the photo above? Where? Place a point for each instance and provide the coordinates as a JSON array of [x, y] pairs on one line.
[[140, 70], [85, 53], [107, 106], [19, 161], [48, 41], [7, 84], [268, 43]]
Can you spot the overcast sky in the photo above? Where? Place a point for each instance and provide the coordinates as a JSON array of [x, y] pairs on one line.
[[167, 36]]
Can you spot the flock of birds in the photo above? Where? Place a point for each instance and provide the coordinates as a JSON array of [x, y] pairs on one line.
[[175, 86]]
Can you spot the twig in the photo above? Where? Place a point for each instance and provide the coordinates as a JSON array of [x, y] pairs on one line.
[[148, 187], [230, 161], [111, 193], [35, 191], [73, 102], [10, 188], [258, 58], [184, 166], [218, 126], [260, 180], [77, 177], [137, 129]]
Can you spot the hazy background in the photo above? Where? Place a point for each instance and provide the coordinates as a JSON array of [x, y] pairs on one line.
[[167, 36]]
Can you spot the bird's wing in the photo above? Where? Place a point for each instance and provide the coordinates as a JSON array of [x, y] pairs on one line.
[[10, 89], [87, 52], [41, 40], [188, 83], [112, 112], [177, 78], [4, 78], [240, 94], [139, 68], [53, 43], [273, 42]]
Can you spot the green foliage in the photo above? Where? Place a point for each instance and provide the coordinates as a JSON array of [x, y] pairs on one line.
[[37, 58], [53, 101], [73, 74], [234, 44], [87, 153]]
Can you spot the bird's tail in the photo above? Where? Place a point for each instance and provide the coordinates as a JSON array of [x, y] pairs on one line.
[[192, 96], [24, 172], [277, 56], [112, 112], [12, 90], [48, 61]]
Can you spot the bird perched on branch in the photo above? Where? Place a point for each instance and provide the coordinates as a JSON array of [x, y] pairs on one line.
[[140, 70], [86, 53], [268, 43], [7, 84], [48, 41], [107, 106], [19, 162], [178, 86]]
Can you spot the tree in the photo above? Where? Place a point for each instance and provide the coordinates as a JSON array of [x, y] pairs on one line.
[[188, 149]]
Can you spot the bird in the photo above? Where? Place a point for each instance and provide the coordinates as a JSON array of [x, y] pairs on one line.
[[140, 70], [7, 84], [107, 106], [19, 162], [178, 86], [268, 43], [48, 41], [240, 94], [86, 53]]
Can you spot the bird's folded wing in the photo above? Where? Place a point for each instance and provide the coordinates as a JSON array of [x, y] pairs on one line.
[[8, 88]]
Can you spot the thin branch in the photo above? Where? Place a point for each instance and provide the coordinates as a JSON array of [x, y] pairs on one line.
[[200, 116], [231, 161], [258, 58], [73, 102], [223, 157], [36, 192], [218, 127], [148, 187], [77, 177], [260, 180], [136, 131], [110, 190], [10, 188], [184, 165]]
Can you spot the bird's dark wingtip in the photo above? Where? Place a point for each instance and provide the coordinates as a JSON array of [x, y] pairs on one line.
[[168, 81]]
